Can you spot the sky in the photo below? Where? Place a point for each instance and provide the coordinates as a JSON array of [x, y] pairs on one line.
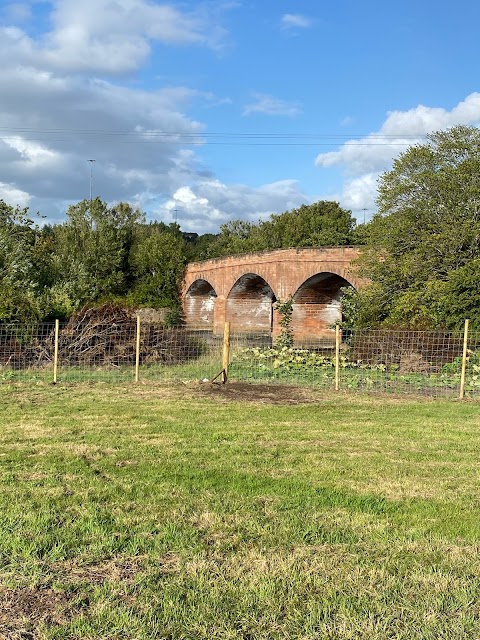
[[205, 112]]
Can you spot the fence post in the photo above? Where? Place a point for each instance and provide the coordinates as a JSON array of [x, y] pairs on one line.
[[226, 351], [137, 351], [55, 353], [464, 361], [337, 357]]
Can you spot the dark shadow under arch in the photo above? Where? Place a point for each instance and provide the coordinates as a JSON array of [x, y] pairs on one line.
[[249, 304], [199, 304], [251, 286], [317, 307], [320, 288]]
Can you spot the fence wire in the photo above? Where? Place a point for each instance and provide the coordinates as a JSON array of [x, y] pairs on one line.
[[427, 363], [411, 362]]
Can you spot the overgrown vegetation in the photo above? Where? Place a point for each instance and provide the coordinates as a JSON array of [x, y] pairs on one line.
[[423, 245], [285, 311], [388, 362], [320, 224], [137, 517]]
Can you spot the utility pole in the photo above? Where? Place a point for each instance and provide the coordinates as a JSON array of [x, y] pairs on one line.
[[176, 211], [364, 212], [91, 178]]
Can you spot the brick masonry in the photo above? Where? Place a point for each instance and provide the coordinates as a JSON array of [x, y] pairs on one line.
[[243, 289]]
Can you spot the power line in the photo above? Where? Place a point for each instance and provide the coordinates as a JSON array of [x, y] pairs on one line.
[[154, 132], [209, 137]]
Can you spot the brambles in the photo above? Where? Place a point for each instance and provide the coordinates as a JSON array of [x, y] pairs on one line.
[[98, 336]]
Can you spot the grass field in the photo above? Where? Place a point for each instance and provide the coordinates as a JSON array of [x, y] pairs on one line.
[[192, 512]]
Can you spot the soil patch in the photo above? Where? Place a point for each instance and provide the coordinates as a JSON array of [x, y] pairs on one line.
[[258, 393], [23, 610]]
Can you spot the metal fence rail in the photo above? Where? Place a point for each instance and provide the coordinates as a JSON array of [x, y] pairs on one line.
[[430, 363]]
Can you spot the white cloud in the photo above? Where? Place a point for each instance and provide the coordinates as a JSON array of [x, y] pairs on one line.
[[79, 114], [210, 203], [362, 160], [271, 106], [295, 21], [113, 37], [60, 108], [14, 196]]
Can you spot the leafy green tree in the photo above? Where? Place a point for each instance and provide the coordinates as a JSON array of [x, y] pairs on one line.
[[200, 247], [92, 250], [424, 243], [316, 225], [157, 260], [20, 299]]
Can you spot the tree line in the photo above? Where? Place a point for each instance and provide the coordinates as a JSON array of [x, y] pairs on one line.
[[110, 253], [421, 251]]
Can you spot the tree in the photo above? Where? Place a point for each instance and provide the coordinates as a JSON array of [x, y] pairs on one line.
[[157, 260], [423, 248], [92, 250], [315, 225], [20, 299]]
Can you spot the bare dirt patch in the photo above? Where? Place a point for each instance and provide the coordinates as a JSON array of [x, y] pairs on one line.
[[258, 393], [22, 610]]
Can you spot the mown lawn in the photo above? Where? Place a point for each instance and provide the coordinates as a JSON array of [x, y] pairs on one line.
[[161, 511]]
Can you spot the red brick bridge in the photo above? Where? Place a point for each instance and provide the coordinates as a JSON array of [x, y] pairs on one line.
[[242, 290]]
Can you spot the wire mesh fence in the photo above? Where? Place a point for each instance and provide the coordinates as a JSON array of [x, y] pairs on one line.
[[429, 363], [120, 351]]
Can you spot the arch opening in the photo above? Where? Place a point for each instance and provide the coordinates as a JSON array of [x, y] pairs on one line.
[[249, 304], [317, 306], [200, 303]]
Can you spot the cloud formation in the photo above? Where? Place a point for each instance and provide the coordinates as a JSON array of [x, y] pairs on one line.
[[60, 106], [111, 37], [363, 160], [211, 203], [271, 106], [64, 102], [295, 21]]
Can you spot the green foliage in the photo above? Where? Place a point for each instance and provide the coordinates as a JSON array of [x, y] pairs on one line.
[[199, 247], [320, 224], [424, 243], [99, 253], [157, 261], [283, 359], [92, 249], [285, 311], [18, 282]]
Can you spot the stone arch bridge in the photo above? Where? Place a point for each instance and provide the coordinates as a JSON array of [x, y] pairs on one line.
[[243, 290]]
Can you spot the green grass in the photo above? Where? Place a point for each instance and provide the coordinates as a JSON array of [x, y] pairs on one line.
[[158, 512]]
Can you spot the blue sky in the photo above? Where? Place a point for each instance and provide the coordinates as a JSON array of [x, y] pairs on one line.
[[285, 102]]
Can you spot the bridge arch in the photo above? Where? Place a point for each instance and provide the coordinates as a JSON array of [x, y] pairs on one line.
[[249, 304], [199, 303], [317, 305]]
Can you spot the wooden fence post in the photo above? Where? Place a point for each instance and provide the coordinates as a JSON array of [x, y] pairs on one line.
[[137, 351], [226, 351], [337, 357], [55, 353], [464, 361]]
